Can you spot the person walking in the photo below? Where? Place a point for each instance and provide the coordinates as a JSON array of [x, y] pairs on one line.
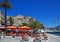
[[26, 37], [23, 37], [37, 39], [45, 36], [17, 32]]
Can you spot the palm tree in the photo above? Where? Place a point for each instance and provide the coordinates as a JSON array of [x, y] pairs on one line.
[[11, 21], [5, 4]]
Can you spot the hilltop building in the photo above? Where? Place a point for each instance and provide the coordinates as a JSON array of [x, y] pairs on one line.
[[18, 19]]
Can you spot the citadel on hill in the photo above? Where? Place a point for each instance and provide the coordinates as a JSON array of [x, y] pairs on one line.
[[18, 20]]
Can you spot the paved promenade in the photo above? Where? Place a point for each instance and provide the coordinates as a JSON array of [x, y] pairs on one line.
[[51, 38]]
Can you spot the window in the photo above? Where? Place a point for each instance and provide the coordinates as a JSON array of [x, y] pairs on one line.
[[30, 19]]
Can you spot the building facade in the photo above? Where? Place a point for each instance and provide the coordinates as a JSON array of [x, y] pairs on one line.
[[18, 19], [1, 18]]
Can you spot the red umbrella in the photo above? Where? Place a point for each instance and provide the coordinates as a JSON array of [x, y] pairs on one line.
[[11, 27], [2, 27], [25, 28]]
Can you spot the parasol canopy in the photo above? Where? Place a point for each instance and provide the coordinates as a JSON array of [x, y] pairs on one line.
[[11, 27], [25, 28], [2, 27]]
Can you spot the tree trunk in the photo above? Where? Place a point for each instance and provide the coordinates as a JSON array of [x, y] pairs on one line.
[[5, 17]]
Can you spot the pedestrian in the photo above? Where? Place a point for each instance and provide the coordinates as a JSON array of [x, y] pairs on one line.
[[12, 34], [26, 37], [17, 31], [45, 36], [37, 39], [23, 37]]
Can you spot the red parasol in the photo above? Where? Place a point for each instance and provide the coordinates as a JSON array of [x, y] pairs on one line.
[[11, 27], [2, 27], [24, 28]]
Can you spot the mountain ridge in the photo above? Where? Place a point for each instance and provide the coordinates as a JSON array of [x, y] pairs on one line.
[[55, 29]]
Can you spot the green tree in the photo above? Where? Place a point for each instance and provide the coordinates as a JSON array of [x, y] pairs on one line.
[[24, 24], [11, 21], [36, 25]]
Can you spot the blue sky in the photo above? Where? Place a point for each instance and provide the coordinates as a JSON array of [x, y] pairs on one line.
[[45, 11]]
